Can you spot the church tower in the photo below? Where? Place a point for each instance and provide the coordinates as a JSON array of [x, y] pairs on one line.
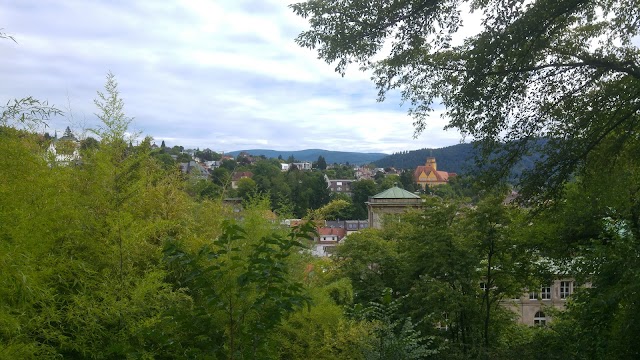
[[431, 161]]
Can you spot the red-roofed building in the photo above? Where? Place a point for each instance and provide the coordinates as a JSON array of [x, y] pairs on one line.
[[327, 240], [428, 174]]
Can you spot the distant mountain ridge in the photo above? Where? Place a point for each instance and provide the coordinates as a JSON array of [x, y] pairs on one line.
[[458, 158], [330, 157]]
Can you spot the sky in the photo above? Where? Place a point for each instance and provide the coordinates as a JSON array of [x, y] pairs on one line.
[[219, 74]]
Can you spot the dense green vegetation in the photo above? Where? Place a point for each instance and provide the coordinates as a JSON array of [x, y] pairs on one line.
[[118, 255], [115, 256], [109, 257]]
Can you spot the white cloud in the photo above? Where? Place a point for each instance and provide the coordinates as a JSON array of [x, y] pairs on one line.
[[201, 73]]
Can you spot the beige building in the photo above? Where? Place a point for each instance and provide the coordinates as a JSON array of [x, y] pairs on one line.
[[429, 175], [390, 201], [533, 307]]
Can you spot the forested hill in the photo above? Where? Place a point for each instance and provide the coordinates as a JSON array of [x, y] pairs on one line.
[[457, 158], [330, 157]]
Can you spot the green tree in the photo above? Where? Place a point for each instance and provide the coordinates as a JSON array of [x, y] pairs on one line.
[[370, 262], [388, 181], [321, 163], [535, 70], [320, 193], [593, 235], [28, 112], [166, 160], [407, 182], [334, 210], [395, 336], [229, 164], [89, 143], [222, 177], [322, 332], [183, 158], [465, 247], [247, 188], [242, 282], [361, 191], [93, 286]]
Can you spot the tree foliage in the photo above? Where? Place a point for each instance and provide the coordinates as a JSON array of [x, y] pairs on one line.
[[566, 71]]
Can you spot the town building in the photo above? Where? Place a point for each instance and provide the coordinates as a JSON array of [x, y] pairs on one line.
[[305, 165], [392, 201], [327, 240], [363, 173], [429, 175], [535, 307], [64, 150], [194, 169], [339, 185], [350, 226]]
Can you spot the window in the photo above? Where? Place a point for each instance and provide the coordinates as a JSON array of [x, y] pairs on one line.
[[565, 289], [533, 296], [483, 286], [444, 324], [539, 319], [546, 293]]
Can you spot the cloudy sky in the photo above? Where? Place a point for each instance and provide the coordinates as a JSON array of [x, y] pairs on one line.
[[219, 74]]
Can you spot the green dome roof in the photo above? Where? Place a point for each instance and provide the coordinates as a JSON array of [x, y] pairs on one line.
[[395, 193]]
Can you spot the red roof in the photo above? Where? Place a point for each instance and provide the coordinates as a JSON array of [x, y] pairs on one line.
[[441, 176], [340, 232]]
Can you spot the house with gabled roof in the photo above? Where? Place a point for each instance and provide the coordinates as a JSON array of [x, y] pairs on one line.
[[326, 241], [429, 175], [393, 201], [339, 185]]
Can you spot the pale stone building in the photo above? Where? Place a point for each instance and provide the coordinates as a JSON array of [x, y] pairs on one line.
[[533, 307], [391, 201]]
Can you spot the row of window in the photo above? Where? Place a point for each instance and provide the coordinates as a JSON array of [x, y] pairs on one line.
[[538, 319], [566, 289]]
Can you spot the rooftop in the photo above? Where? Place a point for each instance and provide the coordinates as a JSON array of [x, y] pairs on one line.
[[395, 193]]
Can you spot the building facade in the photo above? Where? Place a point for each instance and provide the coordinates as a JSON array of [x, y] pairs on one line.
[[429, 175], [392, 201], [533, 308]]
